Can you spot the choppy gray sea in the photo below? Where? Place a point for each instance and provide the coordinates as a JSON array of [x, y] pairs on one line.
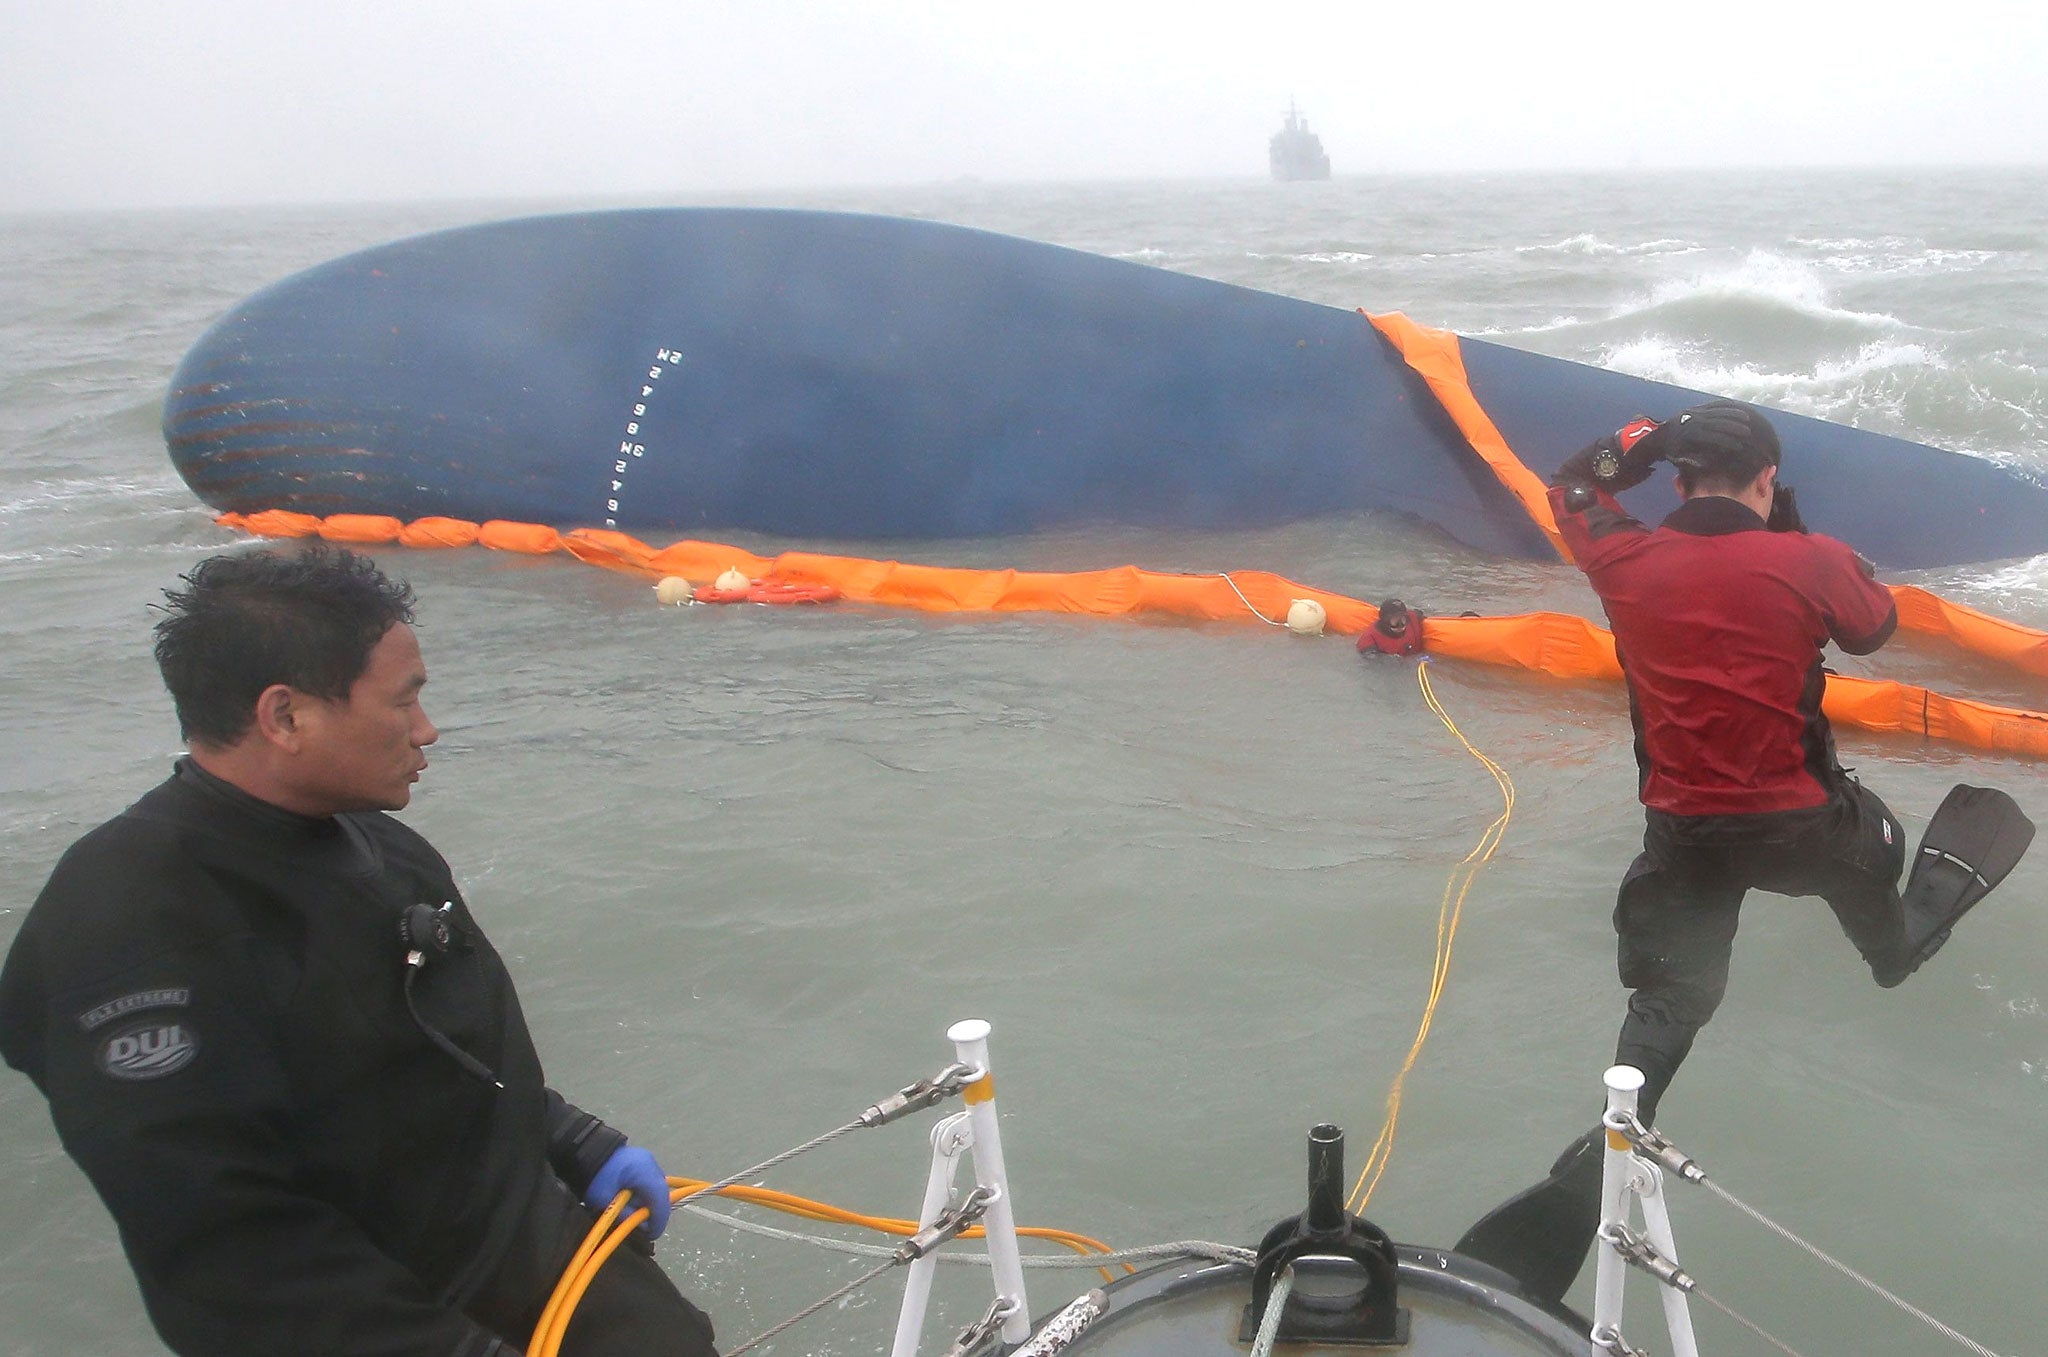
[[748, 864]]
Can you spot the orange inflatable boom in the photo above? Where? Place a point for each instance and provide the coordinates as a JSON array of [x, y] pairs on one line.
[[1556, 644]]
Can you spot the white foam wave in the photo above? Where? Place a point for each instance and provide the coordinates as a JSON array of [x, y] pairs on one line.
[[96, 551], [1877, 356], [1759, 273], [1667, 360], [1830, 386], [1949, 258], [1915, 262], [1902, 389], [1314, 257], [1768, 277], [1541, 327], [1590, 245], [2025, 576], [49, 495], [1889, 255]]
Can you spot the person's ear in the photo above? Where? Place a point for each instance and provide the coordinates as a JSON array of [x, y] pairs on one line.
[[280, 714]]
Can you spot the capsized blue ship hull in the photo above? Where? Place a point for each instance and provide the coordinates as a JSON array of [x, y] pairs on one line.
[[807, 374]]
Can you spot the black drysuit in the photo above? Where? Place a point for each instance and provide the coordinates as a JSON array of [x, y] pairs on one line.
[[211, 992]]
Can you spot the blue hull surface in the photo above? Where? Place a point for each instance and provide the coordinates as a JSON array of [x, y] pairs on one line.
[[810, 374]]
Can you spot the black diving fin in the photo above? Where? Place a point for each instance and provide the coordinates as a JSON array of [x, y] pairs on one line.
[[1976, 836], [1541, 1235]]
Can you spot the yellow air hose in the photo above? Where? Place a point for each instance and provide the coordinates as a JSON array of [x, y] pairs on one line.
[[1456, 887], [612, 1229]]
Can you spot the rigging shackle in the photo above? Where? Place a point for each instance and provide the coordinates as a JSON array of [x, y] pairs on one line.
[[950, 1223], [922, 1094]]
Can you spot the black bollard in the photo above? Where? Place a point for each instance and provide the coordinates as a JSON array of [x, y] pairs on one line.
[[1352, 1300]]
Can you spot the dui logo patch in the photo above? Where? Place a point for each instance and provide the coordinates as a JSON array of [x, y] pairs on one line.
[[149, 1049]]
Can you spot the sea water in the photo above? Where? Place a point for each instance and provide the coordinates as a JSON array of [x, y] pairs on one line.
[[748, 864]]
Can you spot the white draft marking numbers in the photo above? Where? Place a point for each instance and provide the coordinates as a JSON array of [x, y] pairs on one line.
[[630, 448]]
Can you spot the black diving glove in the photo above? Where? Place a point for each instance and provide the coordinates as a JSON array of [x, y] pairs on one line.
[[1619, 461], [1784, 511]]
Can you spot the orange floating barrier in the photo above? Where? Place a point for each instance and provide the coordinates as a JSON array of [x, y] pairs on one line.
[[1993, 637], [1558, 644], [273, 523], [532, 539], [1435, 356], [363, 528], [426, 533]]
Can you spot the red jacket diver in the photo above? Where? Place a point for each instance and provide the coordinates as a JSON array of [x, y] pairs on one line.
[[1719, 616]]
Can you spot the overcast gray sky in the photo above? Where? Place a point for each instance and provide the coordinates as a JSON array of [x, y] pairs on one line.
[[174, 102]]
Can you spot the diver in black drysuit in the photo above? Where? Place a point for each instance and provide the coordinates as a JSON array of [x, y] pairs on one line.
[[212, 993]]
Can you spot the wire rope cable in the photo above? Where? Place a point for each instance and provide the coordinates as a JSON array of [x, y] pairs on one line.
[[800, 1316], [1746, 1322], [826, 1139], [1845, 1270]]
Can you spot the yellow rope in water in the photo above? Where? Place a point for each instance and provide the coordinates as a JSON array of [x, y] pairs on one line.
[[1456, 887]]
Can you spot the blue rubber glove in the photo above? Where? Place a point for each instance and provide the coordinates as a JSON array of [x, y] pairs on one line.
[[632, 1169]]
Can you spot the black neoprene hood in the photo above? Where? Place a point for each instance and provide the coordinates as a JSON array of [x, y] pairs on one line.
[[1722, 438]]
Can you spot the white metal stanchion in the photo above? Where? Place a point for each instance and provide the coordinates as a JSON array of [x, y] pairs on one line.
[[1657, 1225], [970, 1041], [950, 1138], [1625, 1176], [1624, 1083]]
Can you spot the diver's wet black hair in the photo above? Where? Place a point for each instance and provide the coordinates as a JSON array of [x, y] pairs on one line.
[[306, 618]]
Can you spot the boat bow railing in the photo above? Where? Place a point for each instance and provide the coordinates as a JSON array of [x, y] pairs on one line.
[[1638, 1158]]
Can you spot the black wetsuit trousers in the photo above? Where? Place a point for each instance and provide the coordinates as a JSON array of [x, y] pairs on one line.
[[632, 1309], [1676, 913]]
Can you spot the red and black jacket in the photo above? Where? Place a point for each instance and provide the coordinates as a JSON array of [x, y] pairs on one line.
[[1719, 625]]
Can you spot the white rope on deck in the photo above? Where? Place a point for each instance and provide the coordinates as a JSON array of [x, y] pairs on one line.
[[1269, 1323]]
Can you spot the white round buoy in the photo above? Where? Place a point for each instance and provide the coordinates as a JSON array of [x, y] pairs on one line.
[[673, 589], [1306, 617], [734, 578]]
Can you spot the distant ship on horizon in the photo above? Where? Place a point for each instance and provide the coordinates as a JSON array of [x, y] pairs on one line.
[[1296, 152]]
